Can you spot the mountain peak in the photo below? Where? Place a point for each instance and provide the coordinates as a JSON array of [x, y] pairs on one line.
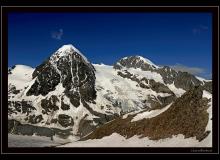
[[135, 62], [67, 47], [145, 60], [67, 50]]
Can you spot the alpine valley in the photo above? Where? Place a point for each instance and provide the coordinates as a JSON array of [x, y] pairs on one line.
[[132, 103]]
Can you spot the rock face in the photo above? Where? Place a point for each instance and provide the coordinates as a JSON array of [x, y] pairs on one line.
[[65, 120], [187, 116], [168, 74], [49, 105], [186, 81], [67, 95], [24, 107], [208, 86], [68, 67]]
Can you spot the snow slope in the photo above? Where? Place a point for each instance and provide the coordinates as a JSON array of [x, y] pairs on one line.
[[147, 74], [116, 140], [33, 141], [66, 49], [112, 88], [203, 79], [209, 110], [177, 91], [20, 76], [150, 114], [148, 61]]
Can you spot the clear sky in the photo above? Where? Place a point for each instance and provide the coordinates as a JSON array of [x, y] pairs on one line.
[[181, 40]]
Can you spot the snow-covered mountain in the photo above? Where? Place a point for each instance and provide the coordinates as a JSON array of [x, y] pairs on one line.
[[68, 95]]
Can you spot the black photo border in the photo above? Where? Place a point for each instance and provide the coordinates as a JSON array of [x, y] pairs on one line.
[[214, 10]]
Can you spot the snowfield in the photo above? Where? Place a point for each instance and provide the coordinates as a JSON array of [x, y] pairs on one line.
[[116, 140], [209, 110], [20, 76], [147, 74], [202, 79], [33, 141], [150, 114], [177, 91]]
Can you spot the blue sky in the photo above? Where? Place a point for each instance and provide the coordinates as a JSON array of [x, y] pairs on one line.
[[181, 40]]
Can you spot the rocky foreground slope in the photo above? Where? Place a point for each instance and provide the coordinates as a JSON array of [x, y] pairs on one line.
[[187, 115]]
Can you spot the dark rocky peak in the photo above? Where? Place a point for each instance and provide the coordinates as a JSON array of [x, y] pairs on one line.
[[135, 62], [64, 55], [68, 52], [69, 67]]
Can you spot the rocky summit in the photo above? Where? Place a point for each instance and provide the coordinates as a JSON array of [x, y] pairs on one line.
[[68, 68], [67, 95]]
